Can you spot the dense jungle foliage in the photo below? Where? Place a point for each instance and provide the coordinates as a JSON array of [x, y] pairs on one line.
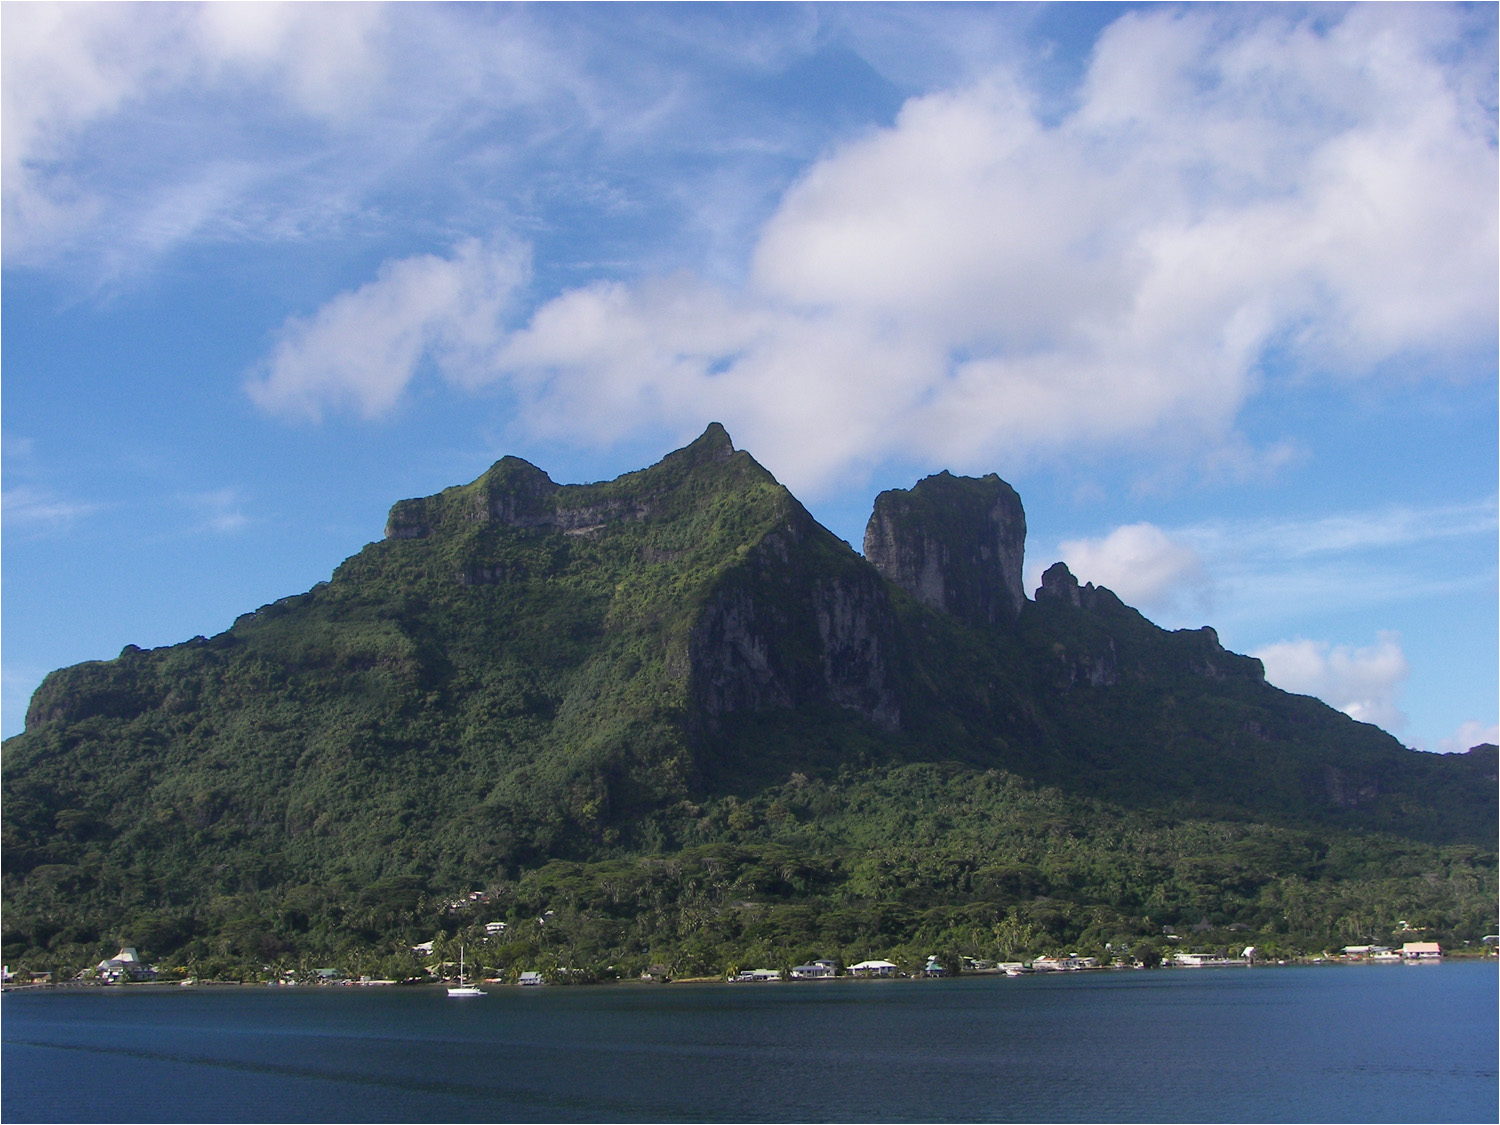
[[897, 863], [678, 713]]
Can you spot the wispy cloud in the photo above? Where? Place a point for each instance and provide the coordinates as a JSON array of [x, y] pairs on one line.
[[1268, 570], [1395, 526], [220, 511], [35, 510], [70, 68]]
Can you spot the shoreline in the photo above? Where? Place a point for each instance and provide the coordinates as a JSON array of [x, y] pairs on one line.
[[636, 982]]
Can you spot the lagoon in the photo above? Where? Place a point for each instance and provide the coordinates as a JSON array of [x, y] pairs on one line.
[[1326, 1043]]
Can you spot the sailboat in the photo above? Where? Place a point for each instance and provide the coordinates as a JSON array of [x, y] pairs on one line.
[[462, 989]]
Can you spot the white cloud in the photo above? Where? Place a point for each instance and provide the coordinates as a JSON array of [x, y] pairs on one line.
[[974, 287], [1140, 563], [1468, 735], [68, 69], [362, 349], [1364, 683]]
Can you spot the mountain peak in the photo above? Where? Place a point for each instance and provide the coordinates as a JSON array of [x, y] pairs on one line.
[[715, 438], [712, 446], [956, 544]]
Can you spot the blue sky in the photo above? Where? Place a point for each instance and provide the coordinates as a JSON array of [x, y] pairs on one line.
[[1214, 287]]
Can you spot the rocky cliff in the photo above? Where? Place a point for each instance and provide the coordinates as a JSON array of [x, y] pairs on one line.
[[956, 544]]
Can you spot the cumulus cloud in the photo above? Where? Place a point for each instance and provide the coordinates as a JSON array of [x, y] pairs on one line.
[[975, 286], [361, 349], [1117, 276], [1364, 683], [1141, 563], [1468, 735]]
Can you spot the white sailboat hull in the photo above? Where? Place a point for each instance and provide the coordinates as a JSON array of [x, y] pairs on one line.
[[461, 989]]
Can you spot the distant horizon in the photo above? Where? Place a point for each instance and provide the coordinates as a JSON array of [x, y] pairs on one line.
[[1214, 288]]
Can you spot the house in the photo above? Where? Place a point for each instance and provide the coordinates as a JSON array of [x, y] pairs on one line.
[[1421, 951], [762, 976], [657, 973], [423, 950], [530, 980], [1198, 960], [125, 965], [933, 969], [822, 969], [493, 929], [872, 969]]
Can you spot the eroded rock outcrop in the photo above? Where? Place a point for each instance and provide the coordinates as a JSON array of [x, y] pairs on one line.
[[781, 631], [1058, 584], [956, 544]]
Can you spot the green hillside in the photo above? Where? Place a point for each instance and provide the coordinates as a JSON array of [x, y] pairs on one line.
[[647, 702]]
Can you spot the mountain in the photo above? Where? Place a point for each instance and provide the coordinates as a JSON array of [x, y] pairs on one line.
[[523, 673]]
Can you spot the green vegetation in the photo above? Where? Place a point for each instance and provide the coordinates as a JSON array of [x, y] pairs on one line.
[[897, 863], [679, 714]]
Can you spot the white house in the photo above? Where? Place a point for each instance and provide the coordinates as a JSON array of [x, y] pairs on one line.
[[817, 970], [759, 975], [873, 969], [125, 964], [1421, 951], [530, 979]]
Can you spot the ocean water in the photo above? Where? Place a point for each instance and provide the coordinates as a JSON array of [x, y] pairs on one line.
[[1321, 1043]]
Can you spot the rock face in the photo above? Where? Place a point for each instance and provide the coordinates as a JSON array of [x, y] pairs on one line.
[[956, 544], [783, 630], [1058, 584], [512, 492]]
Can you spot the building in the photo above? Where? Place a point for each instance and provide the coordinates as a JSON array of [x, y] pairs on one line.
[[530, 979], [125, 965], [821, 969], [1421, 951], [758, 975], [873, 969]]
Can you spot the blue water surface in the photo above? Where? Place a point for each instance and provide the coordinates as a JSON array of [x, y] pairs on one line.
[[1328, 1043]]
